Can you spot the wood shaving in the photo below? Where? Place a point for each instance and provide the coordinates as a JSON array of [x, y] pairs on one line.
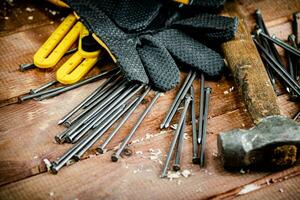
[[186, 173], [28, 9], [231, 89], [281, 190], [30, 17], [226, 92], [249, 188], [242, 171], [6, 18], [173, 175], [48, 164], [51, 194], [174, 126]]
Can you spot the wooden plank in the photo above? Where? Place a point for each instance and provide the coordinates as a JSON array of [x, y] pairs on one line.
[[27, 15], [287, 189], [34, 124]]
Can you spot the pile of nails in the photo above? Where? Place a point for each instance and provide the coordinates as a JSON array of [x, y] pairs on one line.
[[186, 97], [288, 75], [113, 102]]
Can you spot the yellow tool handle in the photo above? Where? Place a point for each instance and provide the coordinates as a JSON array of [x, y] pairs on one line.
[[58, 43], [75, 68]]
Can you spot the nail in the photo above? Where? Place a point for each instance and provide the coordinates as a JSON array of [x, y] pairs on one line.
[[176, 99], [201, 108], [194, 128], [116, 155], [99, 104], [205, 115], [26, 66], [176, 135], [76, 85], [278, 69], [31, 96], [104, 127], [182, 96], [99, 132], [123, 98], [42, 87], [296, 116], [295, 27], [176, 166], [280, 43], [91, 96], [102, 147], [294, 61]]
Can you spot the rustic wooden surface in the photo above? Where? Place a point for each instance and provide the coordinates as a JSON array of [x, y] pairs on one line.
[[27, 130]]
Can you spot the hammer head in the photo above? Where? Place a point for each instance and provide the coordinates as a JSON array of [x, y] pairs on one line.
[[272, 143]]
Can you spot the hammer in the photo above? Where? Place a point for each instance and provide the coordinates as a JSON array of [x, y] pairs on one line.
[[275, 139]]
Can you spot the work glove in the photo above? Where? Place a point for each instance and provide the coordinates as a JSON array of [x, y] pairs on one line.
[[148, 39]]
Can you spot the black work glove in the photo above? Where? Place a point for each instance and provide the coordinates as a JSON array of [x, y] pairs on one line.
[[146, 37]]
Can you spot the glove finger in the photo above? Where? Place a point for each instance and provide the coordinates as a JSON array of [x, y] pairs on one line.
[[159, 64], [114, 40], [209, 27], [192, 53], [136, 15]]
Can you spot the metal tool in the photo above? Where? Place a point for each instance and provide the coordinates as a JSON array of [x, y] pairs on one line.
[[123, 98], [38, 94], [194, 128], [42, 87], [104, 127], [176, 166], [257, 145], [201, 108], [295, 27], [205, 116], [279, 69], [280, 43], [294, 61], [182, 96], [27, 66], [115, 156], [176, 135], [296, 116], [80, 105], [76, 85], [100, 103], [102, 147], [179, 94]]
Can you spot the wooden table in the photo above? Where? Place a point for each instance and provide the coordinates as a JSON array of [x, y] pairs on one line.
[[27, 130]]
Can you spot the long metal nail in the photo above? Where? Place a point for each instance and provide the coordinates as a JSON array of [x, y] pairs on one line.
[[80, 105], [104, 127], [42, 87], [176, 166], [194, 128], [187, 87], [79, 147], [176, 135], [100, 130], [110, 87], [26, 66], [102, 147], [295, 62], [179, 94], [201, 108], [205, 116], [279, 69], [100, 103], [296, 116], [295, 27], [76, 85], [116, 155], [123, 98], [280, 43], [31, 96]]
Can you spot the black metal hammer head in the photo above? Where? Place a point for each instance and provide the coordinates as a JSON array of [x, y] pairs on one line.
[[272, 143]]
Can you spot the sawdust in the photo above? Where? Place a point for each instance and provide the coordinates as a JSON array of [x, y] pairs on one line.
[[186, 173], [30, 18], [174, 126], [249, 188], [28, 9]]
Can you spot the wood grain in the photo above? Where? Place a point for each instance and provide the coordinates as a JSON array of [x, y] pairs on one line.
[[27, 130]]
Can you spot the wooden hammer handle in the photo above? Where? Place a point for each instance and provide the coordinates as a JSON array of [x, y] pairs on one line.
[[248, 70]]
